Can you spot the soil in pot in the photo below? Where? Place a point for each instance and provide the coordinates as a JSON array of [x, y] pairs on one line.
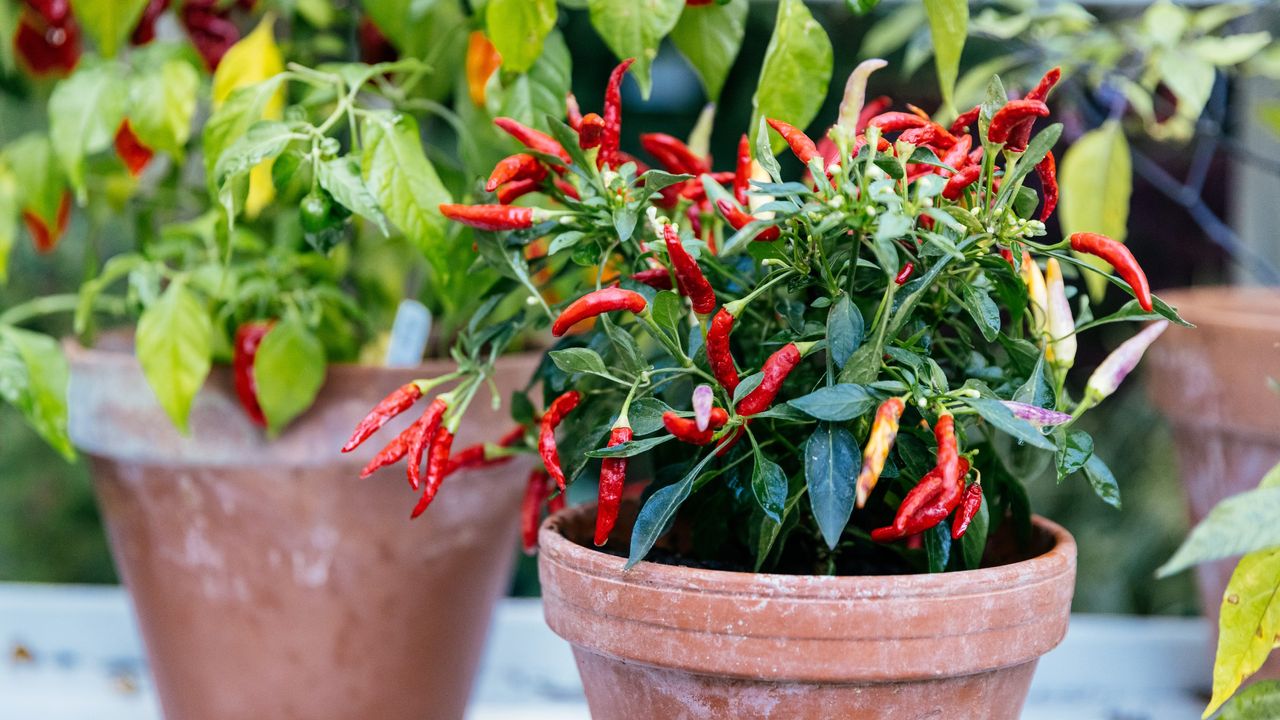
[[669, 641], [268, 579]]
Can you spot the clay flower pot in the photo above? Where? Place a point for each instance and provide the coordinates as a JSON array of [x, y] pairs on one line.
[[1211, 383], [269, 581], [661, 641]]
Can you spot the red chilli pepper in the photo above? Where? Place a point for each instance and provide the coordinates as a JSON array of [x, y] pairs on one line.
[[800, 143], [44, 238], [969, 506], [739, 218], [437, 463], [883, 432], [926, 505], [931, 134], [958, 155], [131, 150], [689, 276], [944, 431], [1120, 258], [535, 495], [1021, 135], [521, 166], [775, 370], [248, 338], [895, 121], [871, 109], [532, 139], [391, 453], [904, 273], [590, 131], [1013, 114], [657, 278], [1047, 170], [686, 429], [555, 413], [595, 303], [495, 218], [400, 399], [673, 155], [423, 433], [516, 189], [742, 171], [719, 355], [967, 118], [613, 475], [961, 180], [569, 190], [612, 138]]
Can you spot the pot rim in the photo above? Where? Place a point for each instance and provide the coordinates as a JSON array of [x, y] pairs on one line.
[[555, 547]]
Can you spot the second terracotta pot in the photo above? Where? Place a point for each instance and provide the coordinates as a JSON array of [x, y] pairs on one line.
[[269, 581], [660, 641]]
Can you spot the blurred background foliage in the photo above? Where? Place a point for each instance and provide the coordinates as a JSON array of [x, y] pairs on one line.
[[49, 529]]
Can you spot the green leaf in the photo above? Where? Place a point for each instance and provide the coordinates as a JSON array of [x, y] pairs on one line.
[[845, 330], [1003, 419], [1038, 389], [1240, 524], [634, 29], [244, 107], [174, 345], [769, 485], [288, 371], [1074, 451], [33, 379], [631, 448], [836, 403], [518, 28], [1259, 701], [535, 96], [949, 25], [974, 542], [342, 178], [10, 212], [1103, 481], [42, 182], [1096, 179], [830, 455], [937, 547], [162, 103], [264, 140], [985, 313], [108, 22], [578, 360], [408, 189], [709, 37], [666, 310], [645, 415], [1248, 624], [797, 68], [1230, 50], [658, 512], [85, 111], [1190, 79]]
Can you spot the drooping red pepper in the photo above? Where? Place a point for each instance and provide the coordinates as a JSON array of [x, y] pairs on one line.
[[495, 218], [800, 144], [673, 154], [719, 355], [535, 495], [551, 419], [437, 464], [896, 121], [210, 31], [44, 238], [689, 277], [612, 138], [400, 399], [739, 218], [775, 370], [929, 135], [48, 38], [132, 152], [1047, 170], [969, 506], [516, 189], [1021, 134], [590, 131], [883, 432], [904, 273], [390, 453], [613, 475], [423, 434], [1013, 114], [961, 124], [145, 31], [686, 429], [961, 180], [597, 302], [532, 139], [657, 278], [1120, 258], [958, 155], [248, 338], [742, 171], [926, 505], [521, 166]]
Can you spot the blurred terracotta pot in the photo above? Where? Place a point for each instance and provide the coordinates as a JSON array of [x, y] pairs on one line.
[[1211, 382], [661, 641], [268, 579]]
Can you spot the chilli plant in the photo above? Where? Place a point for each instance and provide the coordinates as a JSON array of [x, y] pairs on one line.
[[810, 375]]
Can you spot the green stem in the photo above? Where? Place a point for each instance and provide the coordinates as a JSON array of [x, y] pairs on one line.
[[54, 304]]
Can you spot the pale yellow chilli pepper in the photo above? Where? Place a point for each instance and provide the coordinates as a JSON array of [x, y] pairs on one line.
[[1036, 293], [883, 432], [1061, 350]]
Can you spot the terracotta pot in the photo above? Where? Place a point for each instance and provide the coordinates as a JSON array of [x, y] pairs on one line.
[[268, 579], [661, 641], [1211, 384]]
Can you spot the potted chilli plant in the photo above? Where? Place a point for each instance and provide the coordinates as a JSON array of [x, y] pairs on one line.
[[795, 397]]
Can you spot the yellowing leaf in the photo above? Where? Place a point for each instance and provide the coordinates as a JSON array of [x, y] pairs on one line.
[[253, 59], [1096, 179], [1248, 625]]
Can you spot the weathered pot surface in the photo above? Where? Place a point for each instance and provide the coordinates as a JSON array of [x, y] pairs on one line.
[[661, 641], [1211, 382], [268, 579]]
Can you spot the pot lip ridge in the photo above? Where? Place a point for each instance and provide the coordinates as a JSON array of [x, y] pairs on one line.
[[1058, 560]]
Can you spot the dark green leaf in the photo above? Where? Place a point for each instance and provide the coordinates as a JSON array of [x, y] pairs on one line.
[[630, 448], [845, 330], [830, 471], [937, 546], [836, 403], [658, 512], [983, 310], [769, 484], [1003, 419], [1103, 481], [1074, 450], [578, 360]]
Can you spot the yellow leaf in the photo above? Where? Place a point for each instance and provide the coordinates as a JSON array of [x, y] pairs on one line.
[[253, 59], [1096, 179], [1248, 625]]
